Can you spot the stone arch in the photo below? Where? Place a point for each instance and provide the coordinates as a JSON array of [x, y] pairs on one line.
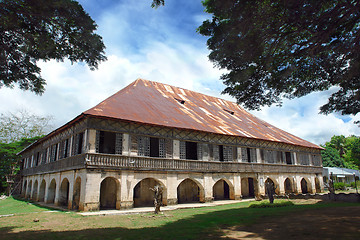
[[317, 185], [35, 190], [189, 190], [289, 185], [28, 191], [51, 191], [276, 185], [109, 193], [64, 192], [305, 186], [144, 196], [76, 194], [42, 191], [223, 190], [249, 187]]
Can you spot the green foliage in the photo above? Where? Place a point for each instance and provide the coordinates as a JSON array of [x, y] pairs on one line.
[[353, 184], [267, 204], [157, 3], [339, 186], [43, 30], [9, 159], [276, 49], [342, 152]]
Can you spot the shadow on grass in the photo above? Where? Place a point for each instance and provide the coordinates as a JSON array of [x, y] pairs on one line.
[[318, 221]]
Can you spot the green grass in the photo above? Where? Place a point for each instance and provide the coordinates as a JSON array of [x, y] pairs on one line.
[[17, 206], [198, 223]]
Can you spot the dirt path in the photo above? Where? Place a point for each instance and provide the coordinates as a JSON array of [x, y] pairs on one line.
[[330, 223]]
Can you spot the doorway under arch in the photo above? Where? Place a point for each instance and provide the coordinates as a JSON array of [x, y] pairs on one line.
[[35, 191], [144, 196], [76, 194], [29, 188], [249, 187], [275, 185], [51, 192], [189, 191], [317, 185], [288, 186], [109, 193], [221, 190], [304, 186], [64, 192], [42, 191]]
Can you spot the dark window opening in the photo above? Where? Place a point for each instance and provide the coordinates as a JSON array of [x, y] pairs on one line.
[[66, 148], [288, 157], [154, 147], [107, 142], [37, 158], [248, 152], [191, 150], [221, 153], [80, 143]]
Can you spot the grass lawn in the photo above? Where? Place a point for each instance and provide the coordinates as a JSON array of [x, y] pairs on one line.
[[199, 223]]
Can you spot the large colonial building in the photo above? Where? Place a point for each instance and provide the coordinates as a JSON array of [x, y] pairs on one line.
[[198, 148]]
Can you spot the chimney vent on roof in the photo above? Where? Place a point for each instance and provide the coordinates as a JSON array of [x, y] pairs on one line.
[[229, 111], [180, 100]]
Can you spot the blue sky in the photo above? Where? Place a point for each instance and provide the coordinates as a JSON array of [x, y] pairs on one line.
[[160, 45]]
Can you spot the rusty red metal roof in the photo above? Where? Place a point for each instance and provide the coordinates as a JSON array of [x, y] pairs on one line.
[[160, 104]]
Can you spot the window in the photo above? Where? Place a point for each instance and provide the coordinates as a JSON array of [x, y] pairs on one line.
[[248, 155], [288, 158], [191, 150], [151, 146], [107, 142], [80, 143], [154, 147]]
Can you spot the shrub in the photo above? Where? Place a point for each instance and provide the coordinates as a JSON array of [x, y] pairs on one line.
[[339, 186], [267, 204], [353, 184]]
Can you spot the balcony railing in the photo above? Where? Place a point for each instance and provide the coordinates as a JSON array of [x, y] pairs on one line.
[[118, 162]]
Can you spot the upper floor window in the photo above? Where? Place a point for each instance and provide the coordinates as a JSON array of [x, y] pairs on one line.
[[248, 155], [108, 142], [189, 150], [288, 158], [77, 146], [151, 146]]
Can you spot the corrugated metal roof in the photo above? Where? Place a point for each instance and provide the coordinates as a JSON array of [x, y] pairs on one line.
[[155, 103]]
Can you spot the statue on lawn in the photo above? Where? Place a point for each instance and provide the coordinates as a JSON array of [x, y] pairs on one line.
[[158, 191]]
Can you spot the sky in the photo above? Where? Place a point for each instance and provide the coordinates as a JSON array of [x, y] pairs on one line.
[[161, 45]]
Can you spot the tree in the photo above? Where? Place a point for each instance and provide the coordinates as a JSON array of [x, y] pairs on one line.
[[9, 166], [15, 126], [33, 30], [331, 157], [277, 49], [342, 152]]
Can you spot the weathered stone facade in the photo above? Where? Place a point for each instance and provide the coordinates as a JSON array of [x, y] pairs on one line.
[[95, 163], [80, 179]]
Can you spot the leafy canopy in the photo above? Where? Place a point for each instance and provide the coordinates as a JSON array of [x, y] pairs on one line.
[[9, 159], [33, 30], [342, 152], [274, 49]]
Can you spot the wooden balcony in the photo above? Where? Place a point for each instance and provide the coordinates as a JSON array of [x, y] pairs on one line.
[[118, 162]]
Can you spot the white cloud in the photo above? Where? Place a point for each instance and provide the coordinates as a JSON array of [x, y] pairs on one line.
[[159, 45]]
